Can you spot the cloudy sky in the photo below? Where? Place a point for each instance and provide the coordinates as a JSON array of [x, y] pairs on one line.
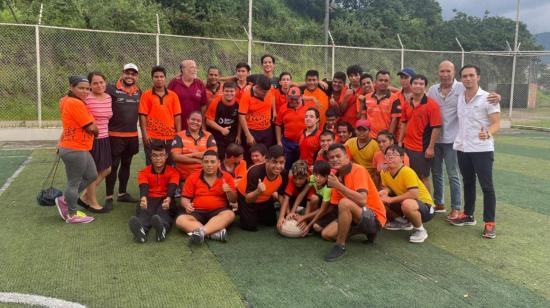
[[532, 12]]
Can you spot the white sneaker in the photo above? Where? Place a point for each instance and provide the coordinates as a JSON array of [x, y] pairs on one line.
[[418, 236], [396, 226]]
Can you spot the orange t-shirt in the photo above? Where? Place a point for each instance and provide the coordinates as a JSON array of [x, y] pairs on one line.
[[358, 179], [158, 182], [204, 196], [292, 120], [323, 100], [257, 111], [379, 161], [280, 99], [75, 116], [309, 146], [350, 114], [421, 120], [160, 112], [239, 172], [184, 143], [381, 112], [250, 183]]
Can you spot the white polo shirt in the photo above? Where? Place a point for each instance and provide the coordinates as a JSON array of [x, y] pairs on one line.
[[472, 117], [447, 105]]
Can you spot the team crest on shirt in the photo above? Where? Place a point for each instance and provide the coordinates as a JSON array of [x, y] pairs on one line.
[[174, 142], [198, 93]]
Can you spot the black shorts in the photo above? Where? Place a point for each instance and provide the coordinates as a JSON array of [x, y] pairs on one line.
[[124, 146], [419, 163], [204, 216], [328, 218], [427, 212], [101, 153]]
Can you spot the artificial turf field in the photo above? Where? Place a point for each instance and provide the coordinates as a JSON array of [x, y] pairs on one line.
[[98, 264]]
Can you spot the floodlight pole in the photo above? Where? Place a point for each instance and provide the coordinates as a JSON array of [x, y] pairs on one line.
[[158, 40], [516, 49], [249, 32], [462, 53], [38, 72], [402, 51]]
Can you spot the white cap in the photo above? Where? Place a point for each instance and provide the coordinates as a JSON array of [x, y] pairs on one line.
[[130, 66]]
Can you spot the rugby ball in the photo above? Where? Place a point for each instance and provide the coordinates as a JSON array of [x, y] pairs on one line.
[[290, 228]]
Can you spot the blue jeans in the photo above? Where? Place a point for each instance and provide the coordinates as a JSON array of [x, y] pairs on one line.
[[444, 153]]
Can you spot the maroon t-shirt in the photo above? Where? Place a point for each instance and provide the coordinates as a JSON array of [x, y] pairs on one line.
[[191, 98]]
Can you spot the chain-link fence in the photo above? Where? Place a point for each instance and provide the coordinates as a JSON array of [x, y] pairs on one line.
[[36, 60]]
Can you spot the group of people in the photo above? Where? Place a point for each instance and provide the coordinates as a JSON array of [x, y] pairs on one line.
[[339, 158]]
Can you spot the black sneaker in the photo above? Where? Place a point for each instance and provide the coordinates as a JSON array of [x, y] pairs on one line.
[[196, 237], [108, 205], [157, 224], [137, 229], [370, 238], [336, 253], [126, 197]]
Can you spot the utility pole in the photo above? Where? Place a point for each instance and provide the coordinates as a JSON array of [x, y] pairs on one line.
[[327, 18], [250, 32]]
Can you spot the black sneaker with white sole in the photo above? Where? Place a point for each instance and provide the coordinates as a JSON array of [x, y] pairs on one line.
[[137, 229], [336, 253], [157, 224]]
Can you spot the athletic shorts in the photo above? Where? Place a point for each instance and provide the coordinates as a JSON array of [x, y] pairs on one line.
[[328, 218], [124, 146], [419, 163], [427, 212], [204, 216]]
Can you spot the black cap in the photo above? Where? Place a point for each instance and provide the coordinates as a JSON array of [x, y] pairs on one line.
[[74, 80]]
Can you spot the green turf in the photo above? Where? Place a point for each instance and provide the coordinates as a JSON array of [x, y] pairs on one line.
[[98, 265], [10, 160]]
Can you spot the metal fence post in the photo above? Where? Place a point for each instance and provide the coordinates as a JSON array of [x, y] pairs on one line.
[[38, 73], [158, 40], [333, 53], [513, 82], [249, 32], [402, 51], [462, 53]]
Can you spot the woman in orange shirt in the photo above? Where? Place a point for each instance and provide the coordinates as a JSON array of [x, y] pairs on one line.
[[74, 147]]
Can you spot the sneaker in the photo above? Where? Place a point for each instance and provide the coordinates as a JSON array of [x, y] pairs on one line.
[[440, 208], [157, 224], [126, 197], [137, 229], [336, 253], [489, 231], [453, 215], [371, 237], [220, 235], [396, 226], [401, 219], [76, 219], [418, 236], [463, 220], [196, 237], [62, 207]]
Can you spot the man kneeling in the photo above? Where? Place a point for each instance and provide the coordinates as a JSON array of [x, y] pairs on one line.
[[404, 194], [205, 198], [360, 209], [157, 185]]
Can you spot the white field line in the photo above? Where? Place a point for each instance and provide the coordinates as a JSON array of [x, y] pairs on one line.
[[37, 300], [15, 175]]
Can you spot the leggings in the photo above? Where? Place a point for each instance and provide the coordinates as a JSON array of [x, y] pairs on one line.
[[81, 172]]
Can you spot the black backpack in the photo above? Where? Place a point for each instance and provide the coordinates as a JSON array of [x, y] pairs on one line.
[[47, 195]]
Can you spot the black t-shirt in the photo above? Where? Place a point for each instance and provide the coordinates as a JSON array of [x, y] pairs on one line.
[[125, 109], [226, 116]]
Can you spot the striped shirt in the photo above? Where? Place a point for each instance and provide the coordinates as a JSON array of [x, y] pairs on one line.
[[102, 112]]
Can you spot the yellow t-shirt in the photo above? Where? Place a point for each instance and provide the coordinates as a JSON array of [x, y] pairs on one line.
[[404, 180], [363, 156]]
